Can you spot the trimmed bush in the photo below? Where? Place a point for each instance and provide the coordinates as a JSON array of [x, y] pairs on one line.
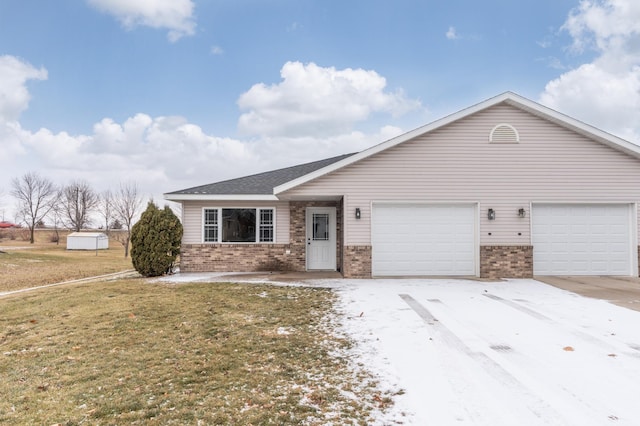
[[155, 241]]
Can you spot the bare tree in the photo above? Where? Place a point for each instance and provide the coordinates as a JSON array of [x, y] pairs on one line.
[[2, 210], [77, 201], [126, 205], [56, 216], [106, 208], [36, 197]]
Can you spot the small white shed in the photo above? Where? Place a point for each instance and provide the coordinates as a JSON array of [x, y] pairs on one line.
[[87, 241]]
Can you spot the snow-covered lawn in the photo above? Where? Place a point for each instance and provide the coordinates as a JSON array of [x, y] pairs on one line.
[[502, 353]]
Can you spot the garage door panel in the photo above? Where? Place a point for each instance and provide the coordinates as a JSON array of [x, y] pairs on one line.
[[423, 240], [581, 239]]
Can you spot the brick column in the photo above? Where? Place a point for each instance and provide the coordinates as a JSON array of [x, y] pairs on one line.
[[506, 262], [357, 262]]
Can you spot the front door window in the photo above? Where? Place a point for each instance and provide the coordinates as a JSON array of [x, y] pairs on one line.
[[320, 227]]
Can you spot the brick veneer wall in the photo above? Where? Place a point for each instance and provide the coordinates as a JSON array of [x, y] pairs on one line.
[[357, 262], [237, 258], [506, 262]]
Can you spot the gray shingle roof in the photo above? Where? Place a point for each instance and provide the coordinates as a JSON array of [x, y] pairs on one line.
[[261, 183]]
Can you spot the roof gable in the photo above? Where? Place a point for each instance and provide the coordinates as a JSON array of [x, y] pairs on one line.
[[509, 98]]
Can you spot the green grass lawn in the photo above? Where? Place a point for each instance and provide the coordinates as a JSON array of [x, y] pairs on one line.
[[138, 352]]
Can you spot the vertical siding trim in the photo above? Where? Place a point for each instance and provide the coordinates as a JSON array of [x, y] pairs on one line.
[[633, 221], [531, 213], [345, 209], [476, 226]]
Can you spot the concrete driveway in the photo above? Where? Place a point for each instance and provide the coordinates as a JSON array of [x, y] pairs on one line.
[[518, 352], [623, 291]]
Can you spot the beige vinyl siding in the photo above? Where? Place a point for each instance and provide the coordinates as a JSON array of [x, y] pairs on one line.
[[458, 164], [192, 217]]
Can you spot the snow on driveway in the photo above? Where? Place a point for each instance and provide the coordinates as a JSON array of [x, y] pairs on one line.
[[517, 352]]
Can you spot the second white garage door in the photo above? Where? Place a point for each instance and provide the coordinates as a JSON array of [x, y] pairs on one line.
[[414, 240], [581, 239]]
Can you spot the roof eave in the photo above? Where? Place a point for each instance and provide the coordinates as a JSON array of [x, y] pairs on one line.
[[220, 197]]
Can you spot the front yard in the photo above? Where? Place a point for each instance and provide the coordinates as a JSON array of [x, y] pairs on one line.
[[138, 352]]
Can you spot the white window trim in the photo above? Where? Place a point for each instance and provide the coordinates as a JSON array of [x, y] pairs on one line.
[[219, 209]]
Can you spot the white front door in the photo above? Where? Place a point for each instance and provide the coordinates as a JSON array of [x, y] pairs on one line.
[[321, 238]]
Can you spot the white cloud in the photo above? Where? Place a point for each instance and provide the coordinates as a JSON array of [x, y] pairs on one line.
[[216, 50], [14, 96], [295, 26], [606, 91], [604, 24], [161, 154], [600, 97], [313, 100], [451, 34], [544, 43], [174, 15]]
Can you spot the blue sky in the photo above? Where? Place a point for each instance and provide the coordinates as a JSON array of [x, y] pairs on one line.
[[176, 93]]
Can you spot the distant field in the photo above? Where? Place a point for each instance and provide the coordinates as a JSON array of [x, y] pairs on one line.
[[24, 265]]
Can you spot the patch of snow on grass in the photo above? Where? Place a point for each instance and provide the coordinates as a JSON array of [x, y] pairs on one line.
[[284, 331]]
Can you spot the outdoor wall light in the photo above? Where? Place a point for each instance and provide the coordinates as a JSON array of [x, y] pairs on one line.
[[521, 212], [491, 214], [357, 212]]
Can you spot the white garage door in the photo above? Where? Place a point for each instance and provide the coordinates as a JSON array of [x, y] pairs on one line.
[[581, 239], [412, 240]]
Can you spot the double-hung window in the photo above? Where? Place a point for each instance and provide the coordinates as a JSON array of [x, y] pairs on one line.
[[266, 225], [239, 225], [211, 225]]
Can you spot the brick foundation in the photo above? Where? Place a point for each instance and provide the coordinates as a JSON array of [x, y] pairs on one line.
[[238, 258], [357, 262], [506, 262]]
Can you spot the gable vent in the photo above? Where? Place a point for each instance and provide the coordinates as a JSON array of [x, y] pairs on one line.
[[504, 133]]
